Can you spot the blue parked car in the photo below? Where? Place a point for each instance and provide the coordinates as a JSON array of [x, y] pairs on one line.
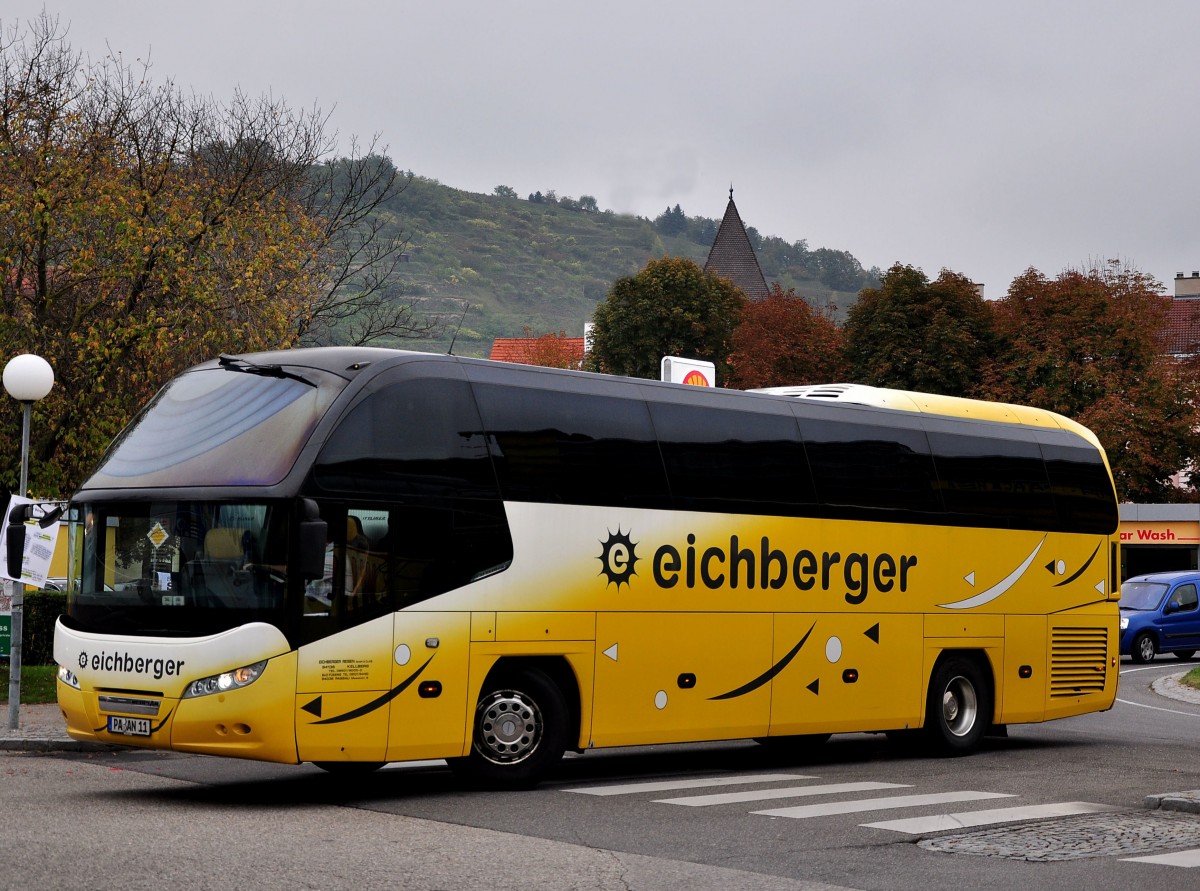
[[1160, 613]]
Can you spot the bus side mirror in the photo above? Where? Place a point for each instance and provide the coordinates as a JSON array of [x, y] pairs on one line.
[[15, 540], [313, 535]]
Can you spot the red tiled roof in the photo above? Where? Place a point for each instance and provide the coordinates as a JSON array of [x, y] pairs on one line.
[[521, 349], [1181, 331]]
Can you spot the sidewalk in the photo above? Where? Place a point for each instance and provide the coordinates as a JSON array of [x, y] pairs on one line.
[[42, 729]]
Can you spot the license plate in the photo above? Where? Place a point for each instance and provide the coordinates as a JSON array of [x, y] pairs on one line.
[[129, 726]]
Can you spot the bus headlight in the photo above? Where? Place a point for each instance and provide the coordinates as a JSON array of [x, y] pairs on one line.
[[226, 680], [68, 677], [1124, 622]]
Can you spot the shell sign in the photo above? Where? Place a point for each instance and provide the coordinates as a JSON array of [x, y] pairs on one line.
[[693, 372]]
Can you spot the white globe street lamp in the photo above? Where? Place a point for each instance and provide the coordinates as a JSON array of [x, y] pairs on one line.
[[27, 378]]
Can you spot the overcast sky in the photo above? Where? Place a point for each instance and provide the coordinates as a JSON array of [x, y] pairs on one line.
[[984, 138]]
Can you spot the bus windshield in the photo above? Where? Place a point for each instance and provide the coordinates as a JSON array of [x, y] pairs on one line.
[[219, 426], [177, 567]]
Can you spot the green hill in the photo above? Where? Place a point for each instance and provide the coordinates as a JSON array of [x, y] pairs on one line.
[[543, 263]]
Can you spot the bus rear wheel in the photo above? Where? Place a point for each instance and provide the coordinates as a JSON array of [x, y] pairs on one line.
[[519, 731], [959, 707]]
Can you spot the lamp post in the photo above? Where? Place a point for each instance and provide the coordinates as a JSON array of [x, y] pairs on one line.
[[27, 378]]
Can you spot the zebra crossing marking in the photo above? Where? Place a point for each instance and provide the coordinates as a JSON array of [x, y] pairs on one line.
[[935, 823], [786, 792], [673, 785], [805, 811], [994, 816], [1186, 859]]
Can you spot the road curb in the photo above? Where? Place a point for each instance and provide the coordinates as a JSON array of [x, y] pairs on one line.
[[1189, 802], [53, 745]]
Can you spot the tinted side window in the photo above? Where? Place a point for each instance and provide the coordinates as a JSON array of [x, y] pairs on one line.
[[880, 464], [992, 476], [1080, 484], [415, 436], [726, 460], [412, 460], [554, 445]]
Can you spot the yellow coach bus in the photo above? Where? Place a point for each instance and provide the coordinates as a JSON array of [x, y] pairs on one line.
[[354, 556]]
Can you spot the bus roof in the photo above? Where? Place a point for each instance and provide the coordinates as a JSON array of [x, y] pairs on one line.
[[933, 403]]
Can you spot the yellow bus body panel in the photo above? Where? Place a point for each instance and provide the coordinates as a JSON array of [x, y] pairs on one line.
[[1023, 698], [432, 649], [663, 677], [1082, 649], [241, 723], [545, 626], [852, 672]]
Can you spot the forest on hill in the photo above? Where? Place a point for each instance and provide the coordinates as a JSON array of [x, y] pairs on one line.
[[499, 265]]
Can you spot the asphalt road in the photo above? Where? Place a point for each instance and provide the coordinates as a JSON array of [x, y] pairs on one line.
[[1053, 805]]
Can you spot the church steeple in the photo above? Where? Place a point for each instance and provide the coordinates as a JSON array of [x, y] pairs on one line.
[[732, 255]]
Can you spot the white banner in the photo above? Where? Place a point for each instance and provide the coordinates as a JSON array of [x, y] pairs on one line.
[[39, 548]]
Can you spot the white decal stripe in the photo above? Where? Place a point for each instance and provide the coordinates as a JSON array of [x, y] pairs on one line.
[[942, 822], [787, 792], [670, 785], [805, 811], [414, 765], [996, 590]]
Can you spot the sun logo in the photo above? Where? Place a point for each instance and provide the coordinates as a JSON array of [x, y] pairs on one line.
[[617, 558]]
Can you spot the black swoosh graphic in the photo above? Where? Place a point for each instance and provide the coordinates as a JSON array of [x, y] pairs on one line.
[[1082, 569], [768, 674], [378, 701]]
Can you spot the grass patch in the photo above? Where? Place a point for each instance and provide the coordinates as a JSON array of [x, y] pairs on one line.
[[37, 683], [1192, 678]]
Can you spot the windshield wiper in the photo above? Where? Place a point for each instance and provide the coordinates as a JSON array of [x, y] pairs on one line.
[[234, 363]]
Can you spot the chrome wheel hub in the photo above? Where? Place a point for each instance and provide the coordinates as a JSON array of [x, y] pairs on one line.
[[960, 706], [508, 727]]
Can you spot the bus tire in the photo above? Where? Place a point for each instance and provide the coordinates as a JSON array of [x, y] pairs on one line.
[[518, 733], [959, 708]]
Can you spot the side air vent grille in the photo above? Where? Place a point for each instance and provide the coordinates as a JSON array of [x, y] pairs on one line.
[[1078, 661]]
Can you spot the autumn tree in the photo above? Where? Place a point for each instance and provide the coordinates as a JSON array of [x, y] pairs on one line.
[[671, 307], [1085, 344], [782, 340], [914, 334], [143, 229]]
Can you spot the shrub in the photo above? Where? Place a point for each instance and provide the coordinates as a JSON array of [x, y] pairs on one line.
[[42, 609]]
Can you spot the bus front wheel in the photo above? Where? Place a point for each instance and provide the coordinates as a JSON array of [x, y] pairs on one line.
[[519, 731], [959, 707]]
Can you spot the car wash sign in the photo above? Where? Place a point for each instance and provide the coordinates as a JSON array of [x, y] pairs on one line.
[[693, 372]]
